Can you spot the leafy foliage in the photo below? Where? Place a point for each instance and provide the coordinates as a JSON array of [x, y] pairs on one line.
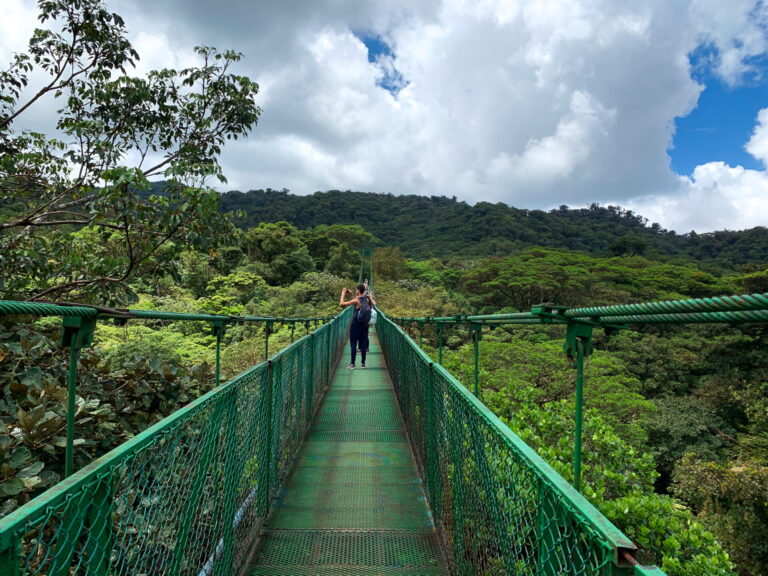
[[733, 501], [175, 122], [436, 226], [669, 535], [124, 386]]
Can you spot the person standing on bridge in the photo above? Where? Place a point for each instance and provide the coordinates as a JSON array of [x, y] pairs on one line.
[[358, 331]]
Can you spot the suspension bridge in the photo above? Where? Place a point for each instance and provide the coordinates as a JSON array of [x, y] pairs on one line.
[[295, 467]]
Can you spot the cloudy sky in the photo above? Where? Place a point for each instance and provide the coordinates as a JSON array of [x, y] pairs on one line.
[[660, 106]]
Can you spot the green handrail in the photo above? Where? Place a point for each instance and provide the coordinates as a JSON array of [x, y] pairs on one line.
[[182, 497]]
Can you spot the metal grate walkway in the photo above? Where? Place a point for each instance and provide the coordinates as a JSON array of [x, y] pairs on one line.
[[354, 504]]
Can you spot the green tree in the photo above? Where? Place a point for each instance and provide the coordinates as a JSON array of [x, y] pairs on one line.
[[174, 122], [733, 501], [280, 246], [628, 245], [388, 263], [668, 535]]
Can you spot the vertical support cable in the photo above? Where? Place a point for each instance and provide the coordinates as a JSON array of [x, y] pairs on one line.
[[267, 332], [476, 337], [69, 462], [217, 329], [439, 342]]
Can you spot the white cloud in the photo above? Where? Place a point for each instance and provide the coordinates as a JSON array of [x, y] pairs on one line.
[[16, 27], [555, 157], [717, 196], [533, 103], [758, 144], [737, 29]]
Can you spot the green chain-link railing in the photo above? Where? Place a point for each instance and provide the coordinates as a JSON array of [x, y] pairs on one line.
[[189, 495], [499, 508]]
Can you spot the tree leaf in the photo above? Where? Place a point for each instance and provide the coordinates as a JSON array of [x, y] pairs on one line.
[[11, 487]]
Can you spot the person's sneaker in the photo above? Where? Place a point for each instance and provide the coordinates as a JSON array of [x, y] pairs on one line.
[[362, 366], [351, 366]]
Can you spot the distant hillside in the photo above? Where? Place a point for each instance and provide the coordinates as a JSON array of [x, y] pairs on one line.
[[435, 226]]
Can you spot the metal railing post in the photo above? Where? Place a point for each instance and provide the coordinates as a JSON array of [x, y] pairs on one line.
[[196, 487], [439, 342], [217, 329], [430, 449], [579, 415], [77, 334], [578, 344], [476, 337], [265, 466], [311, 379], [328, 354], [9, 558], [267, 332], [232, 472]]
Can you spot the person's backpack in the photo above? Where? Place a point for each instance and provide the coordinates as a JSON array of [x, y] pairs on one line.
[[363, 314]]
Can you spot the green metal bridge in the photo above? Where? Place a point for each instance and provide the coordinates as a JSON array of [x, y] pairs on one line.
[[296, 468]]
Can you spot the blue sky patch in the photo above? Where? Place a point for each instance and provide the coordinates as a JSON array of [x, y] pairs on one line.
[[720, 126], [381, 53]]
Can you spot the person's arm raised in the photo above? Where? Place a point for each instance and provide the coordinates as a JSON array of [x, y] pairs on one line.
[[342, 302]]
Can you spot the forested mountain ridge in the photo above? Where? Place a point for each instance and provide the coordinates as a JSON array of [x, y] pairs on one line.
[[437, 226]]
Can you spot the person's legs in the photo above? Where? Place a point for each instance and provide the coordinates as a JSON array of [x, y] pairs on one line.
[[353, 342], [363, 343]]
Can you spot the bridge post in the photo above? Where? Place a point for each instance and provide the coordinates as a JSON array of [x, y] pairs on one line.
[[477, 335], [267, 332], [9, 558], [311, 379], [547, 532], [198, 481], [578, 344], [217, 329], [328, 354], [439, 342], [77, 334], [232, 473], [265, 466], [101, 536], [430, 449]]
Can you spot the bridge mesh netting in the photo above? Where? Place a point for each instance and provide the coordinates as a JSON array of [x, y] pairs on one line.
[[499, 508], [190, 495], [159, 504]]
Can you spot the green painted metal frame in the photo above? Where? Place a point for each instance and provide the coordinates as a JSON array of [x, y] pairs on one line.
[[520, 516], [579, 322], [178, 497], [79, 324]]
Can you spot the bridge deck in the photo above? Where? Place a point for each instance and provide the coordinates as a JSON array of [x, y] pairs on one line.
[[354, 503]]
